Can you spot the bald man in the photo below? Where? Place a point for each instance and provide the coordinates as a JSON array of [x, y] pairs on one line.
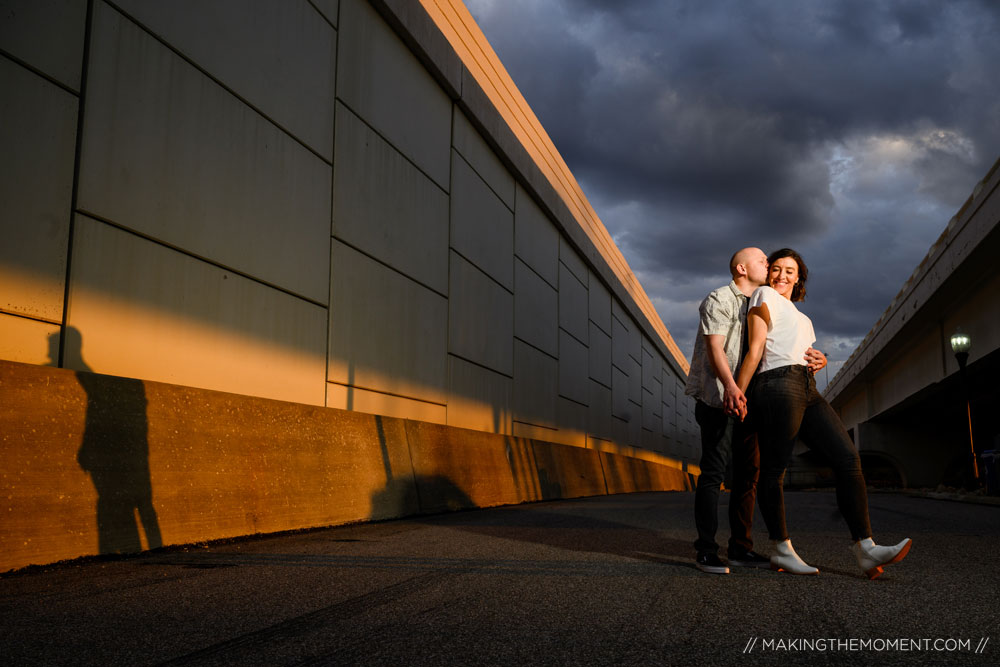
[[719, 411]]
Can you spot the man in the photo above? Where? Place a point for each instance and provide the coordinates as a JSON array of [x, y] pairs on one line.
[[720, 410]]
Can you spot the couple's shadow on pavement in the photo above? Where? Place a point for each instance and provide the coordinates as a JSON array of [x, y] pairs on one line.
[[584, 534], [571, 532]]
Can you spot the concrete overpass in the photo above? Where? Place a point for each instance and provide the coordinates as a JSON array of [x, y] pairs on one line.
[[901, 393], [281, 264]]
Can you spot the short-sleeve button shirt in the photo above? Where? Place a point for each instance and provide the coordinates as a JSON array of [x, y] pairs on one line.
[[722, 313]]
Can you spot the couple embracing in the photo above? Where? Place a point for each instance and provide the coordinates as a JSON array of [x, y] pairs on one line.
[[752, 376]]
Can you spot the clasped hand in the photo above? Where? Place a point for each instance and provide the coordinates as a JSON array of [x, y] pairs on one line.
[[734, 402]]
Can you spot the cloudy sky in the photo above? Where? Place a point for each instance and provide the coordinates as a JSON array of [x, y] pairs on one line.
[[851, 130]]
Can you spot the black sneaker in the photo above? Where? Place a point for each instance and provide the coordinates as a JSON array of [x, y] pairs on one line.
[[710, 563], [750, 559]]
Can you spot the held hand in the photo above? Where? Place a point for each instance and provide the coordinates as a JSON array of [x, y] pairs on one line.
[[815, 360], [734, 403]]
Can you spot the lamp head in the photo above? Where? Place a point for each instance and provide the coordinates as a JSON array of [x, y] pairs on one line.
[[960, 342]]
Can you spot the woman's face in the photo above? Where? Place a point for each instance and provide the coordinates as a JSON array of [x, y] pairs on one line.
[[784, 274]]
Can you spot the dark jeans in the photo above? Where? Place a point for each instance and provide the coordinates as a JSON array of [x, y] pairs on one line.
[[722, 438], [785, 407]]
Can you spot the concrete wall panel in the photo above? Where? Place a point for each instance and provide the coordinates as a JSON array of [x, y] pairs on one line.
[[154, 313], [621, 407], [619, 345], [536, 239], [574, 362], [619, 432], [386, 207], [573, 304], [634, 341], [651, 421], [279, 56], [535, 387], [634, 381], [618, 312], [600, 355], [480, 318], [630, 475], [37, 144], [652, 366], [573, 419], [482, 227], [330, 9], [533, 432], [571, 258], [387, 332], [652, 441], [567, 472], [381, 80], [360, 400], [478, 398], [467, 141], [668, 422], [600, 303], [28, 341], [536, 310], [170, 154], [46, 34], [634, 428], [599, 420], [458, 468]]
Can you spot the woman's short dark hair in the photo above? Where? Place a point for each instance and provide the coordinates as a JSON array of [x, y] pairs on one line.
[[799, 291]]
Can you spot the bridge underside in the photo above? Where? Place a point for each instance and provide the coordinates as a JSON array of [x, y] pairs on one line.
[[933, 426], [902, 394], [923, 440]]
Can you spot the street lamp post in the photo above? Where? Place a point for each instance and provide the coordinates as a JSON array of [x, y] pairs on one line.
[[960, 344]]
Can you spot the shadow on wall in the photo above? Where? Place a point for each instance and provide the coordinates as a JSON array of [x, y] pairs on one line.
[[115, 453], [401, 495], [440, 496]]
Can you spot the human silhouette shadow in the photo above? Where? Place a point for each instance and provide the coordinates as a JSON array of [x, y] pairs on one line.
[[115, 453]]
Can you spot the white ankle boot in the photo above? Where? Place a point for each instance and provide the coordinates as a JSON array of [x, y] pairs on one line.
[[871, 557], [784, 559]]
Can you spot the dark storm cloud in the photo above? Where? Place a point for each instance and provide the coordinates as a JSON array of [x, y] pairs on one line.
[[849, 129]]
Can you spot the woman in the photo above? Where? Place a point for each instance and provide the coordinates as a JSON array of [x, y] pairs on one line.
[[785, 406]]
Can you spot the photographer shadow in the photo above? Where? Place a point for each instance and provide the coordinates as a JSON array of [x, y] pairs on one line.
[[115, 453]]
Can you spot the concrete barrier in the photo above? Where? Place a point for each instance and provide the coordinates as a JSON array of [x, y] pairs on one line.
[[98, 464]]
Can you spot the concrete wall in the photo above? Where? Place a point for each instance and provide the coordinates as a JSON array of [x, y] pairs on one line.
[[303, 201], [101, 464], [314, 202]]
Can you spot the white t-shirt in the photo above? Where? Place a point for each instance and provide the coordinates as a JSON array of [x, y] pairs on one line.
[[789, 334]]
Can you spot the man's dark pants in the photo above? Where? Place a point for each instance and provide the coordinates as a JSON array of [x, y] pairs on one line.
[[723, 436]]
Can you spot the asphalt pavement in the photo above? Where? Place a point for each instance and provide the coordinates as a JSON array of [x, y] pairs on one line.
[[596, 581]]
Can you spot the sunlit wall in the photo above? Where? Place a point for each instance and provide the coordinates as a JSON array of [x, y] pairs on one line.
[[314, 202]]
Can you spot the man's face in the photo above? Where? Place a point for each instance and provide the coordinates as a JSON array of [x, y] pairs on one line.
[[757, 267]]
